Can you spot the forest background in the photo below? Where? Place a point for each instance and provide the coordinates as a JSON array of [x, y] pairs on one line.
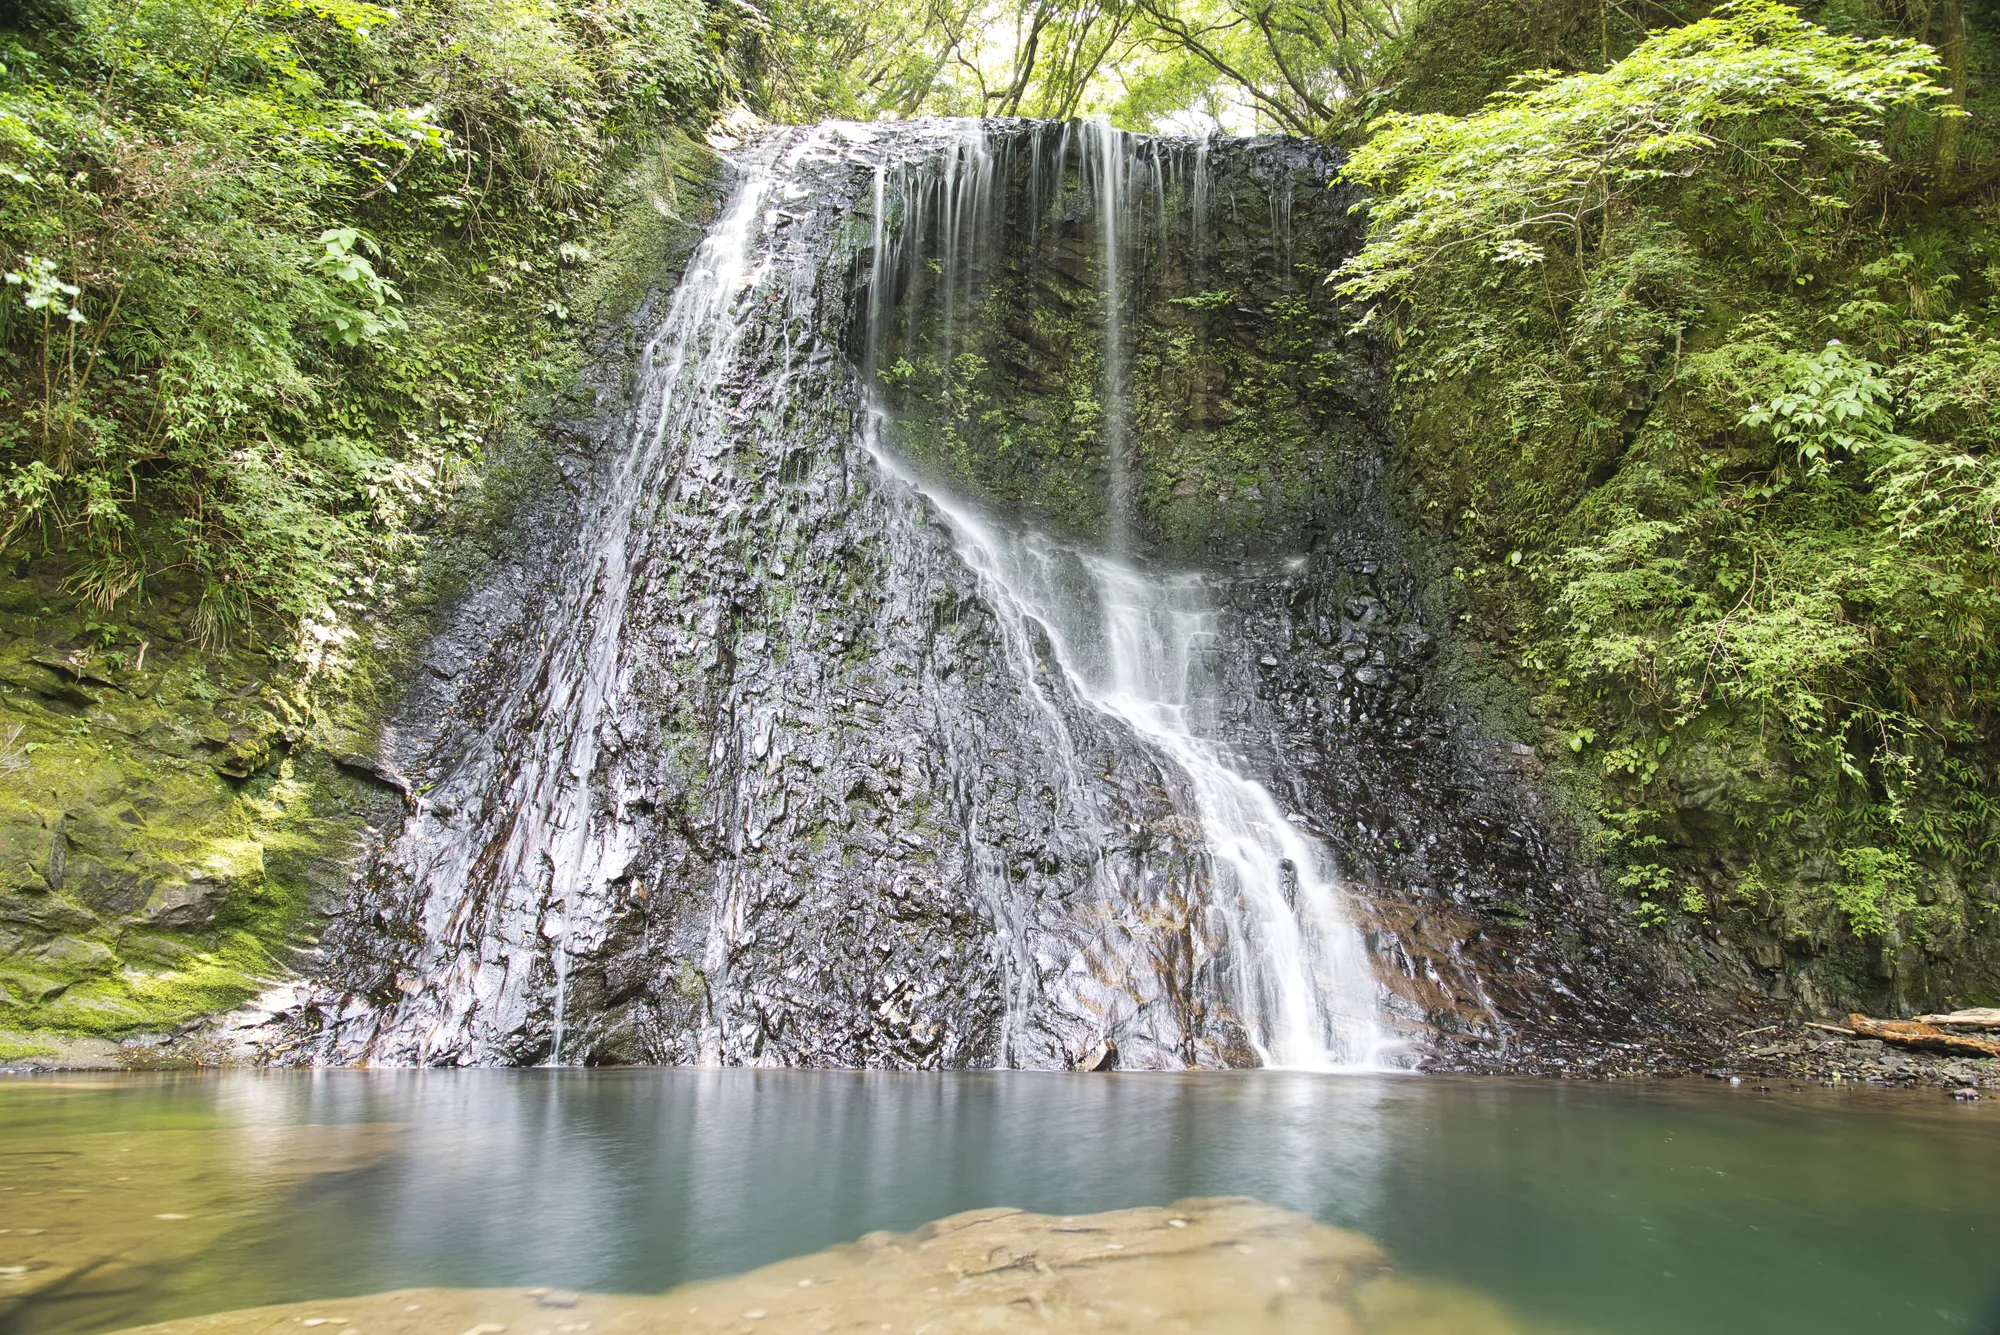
[[1692, 312]]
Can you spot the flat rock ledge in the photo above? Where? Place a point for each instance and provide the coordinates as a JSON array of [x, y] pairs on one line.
[[1222, 1264]]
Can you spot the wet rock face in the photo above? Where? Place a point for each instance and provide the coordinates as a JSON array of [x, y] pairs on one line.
[[1073, 329], [1495, 944], [738, 762]]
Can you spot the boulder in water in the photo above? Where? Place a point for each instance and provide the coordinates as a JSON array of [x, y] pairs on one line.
[[1225, 1264]]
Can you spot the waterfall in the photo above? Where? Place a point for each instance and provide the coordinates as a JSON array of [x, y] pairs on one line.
[[1139, 646], [1112, 206], [802, 739], [1135, 644]]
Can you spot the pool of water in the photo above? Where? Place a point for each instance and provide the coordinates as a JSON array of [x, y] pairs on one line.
[[1616, 1210]]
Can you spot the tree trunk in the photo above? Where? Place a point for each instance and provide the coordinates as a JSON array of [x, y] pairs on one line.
[[1923, 1037], [1951, 129]]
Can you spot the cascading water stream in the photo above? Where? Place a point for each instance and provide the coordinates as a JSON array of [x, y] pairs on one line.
[[1112, 206], [1137, 646], [582, 854]]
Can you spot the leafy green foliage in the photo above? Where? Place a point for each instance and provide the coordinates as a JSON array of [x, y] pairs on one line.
[[1827, 405], [1697, 372], [1283, 64], [1300, 67], [1756, 97], [275, 268]]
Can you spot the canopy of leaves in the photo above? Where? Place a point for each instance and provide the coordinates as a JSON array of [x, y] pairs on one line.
[[1245, 64], [1787, 113]]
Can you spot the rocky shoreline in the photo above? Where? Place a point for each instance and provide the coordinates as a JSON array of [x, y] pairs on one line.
[[1797, 1053], [1791, 1053]]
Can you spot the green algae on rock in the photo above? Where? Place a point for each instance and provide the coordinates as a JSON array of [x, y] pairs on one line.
[[162, 837], [1243, 388]]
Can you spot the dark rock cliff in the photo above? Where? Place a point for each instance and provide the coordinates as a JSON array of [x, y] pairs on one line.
[[754, 756]]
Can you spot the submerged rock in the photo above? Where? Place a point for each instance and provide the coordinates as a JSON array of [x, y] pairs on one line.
[[1224, 1265]]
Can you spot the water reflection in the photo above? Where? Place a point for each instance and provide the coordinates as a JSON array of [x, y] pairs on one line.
[[1621, 1211], [640, 1183]]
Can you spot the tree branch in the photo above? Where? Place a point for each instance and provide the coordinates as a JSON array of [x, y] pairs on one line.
[[1183, 36]]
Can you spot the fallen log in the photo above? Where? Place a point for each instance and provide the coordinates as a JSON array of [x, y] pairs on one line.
[[1979, 1017], [1923, 1037]]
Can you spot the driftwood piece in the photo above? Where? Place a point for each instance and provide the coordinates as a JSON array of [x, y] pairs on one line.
[[1979, 1017], [1923, 1037]]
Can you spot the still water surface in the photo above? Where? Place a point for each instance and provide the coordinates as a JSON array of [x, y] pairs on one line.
[[1588, 1208]]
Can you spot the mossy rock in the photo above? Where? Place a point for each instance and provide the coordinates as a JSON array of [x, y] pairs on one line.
[[153, 803]]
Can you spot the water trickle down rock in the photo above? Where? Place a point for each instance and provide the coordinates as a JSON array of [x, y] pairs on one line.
[[824, 730]]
